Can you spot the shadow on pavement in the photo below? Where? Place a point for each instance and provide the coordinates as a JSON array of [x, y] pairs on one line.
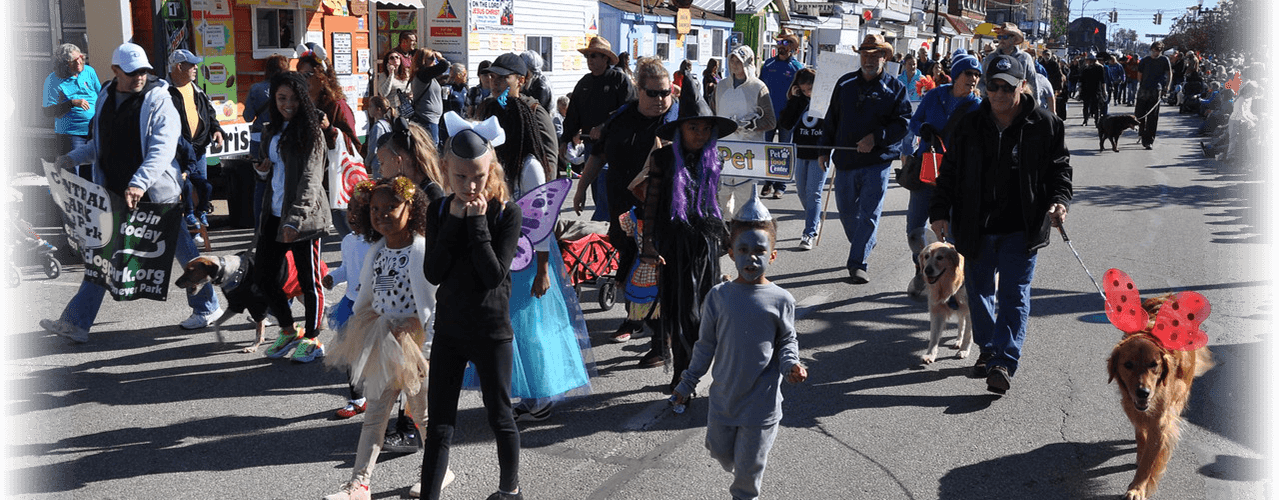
[[1066, 471]]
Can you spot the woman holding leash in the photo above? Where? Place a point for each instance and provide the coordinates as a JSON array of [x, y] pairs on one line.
[[930, 122]]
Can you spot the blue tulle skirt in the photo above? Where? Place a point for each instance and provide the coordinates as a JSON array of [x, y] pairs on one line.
[[552, 350]]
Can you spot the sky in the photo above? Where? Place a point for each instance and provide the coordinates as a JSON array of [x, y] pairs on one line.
[[1136, 14]]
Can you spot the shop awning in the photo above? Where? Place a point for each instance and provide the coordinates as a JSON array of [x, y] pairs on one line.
[[666, 26], [417, 4]]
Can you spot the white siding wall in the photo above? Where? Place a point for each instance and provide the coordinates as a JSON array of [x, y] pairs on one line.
[[562, 20]]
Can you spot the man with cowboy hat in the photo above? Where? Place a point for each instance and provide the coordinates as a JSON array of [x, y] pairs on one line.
[[1008, 41], [868, 111], [596, 96], [777, 73]]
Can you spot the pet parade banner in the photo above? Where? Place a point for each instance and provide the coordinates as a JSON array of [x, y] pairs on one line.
[[130, 253], [768, 161]]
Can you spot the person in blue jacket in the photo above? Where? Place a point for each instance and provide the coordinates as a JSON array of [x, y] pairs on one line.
[[939, 108], [866, 119]]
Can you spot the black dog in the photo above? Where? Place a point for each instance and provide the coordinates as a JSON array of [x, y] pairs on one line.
[[1111, 127]]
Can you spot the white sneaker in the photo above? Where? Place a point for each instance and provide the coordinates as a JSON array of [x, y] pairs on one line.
[[64, 329], [806, 243], [416, 490], [197, 321], [199, 240]]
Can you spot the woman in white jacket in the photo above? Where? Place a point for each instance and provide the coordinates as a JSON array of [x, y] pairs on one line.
[[743, 98]]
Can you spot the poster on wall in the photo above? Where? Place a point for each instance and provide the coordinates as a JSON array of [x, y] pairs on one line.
[[447, 32], [245, 3], [214, 37], [391, 24], [217, 78], [491, 15]]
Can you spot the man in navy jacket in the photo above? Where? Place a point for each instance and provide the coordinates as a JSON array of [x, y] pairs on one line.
[[868, 110]]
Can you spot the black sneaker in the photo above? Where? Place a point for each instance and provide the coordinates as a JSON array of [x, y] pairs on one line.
[[498, 495], [766, 191], [523, 414], [979, 368], [402, 442], [998, 381]]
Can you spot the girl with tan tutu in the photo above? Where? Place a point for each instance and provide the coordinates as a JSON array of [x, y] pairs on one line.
[[385, 343]]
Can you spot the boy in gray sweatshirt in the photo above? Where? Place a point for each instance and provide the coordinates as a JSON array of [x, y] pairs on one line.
[[748, 328]]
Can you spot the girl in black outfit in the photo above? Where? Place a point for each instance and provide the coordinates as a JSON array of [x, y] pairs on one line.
[[470, 242]]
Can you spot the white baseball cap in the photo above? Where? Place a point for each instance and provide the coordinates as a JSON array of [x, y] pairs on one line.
[[130, 57]]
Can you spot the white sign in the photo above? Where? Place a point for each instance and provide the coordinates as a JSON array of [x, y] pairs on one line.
[[757, 160], [235, 141], [87, 207], [830, 67], [362, 60]]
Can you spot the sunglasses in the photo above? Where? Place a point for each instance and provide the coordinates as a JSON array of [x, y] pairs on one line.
[[657, 93], [998, 86], [1004, 37], [972, 73], [594, 55]]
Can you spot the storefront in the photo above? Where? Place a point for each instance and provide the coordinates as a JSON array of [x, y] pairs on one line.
[[653, 32]]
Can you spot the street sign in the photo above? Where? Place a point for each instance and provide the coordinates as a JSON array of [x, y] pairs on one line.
[[683, 21]]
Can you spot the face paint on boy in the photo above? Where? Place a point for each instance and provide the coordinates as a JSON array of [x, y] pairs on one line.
[[752, 254]]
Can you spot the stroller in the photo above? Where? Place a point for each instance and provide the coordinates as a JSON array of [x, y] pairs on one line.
[[588, 258], [23, 241]]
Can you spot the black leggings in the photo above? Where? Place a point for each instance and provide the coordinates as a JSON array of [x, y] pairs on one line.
[[272, 267], [492, 360]]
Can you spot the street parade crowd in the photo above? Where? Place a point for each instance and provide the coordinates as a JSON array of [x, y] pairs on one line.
[[451, 285]]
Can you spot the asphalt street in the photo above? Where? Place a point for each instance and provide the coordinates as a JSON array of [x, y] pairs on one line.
[[147, 410]]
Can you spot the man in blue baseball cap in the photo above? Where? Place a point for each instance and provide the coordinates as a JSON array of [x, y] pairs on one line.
[[200, 128]]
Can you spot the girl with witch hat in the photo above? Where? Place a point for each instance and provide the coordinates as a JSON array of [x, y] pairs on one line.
[[684, 229]]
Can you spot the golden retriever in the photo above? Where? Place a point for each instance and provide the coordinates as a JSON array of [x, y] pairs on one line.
[[1154, 385], [943, 269]]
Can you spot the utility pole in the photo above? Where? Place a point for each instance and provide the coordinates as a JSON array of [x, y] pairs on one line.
[[937, 26]]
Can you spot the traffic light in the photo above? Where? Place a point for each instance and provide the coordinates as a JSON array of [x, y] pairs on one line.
[[1114, 16], [1160, 18], [1156, 18]]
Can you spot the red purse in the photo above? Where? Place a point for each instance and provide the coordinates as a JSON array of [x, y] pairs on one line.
[[930, 164]]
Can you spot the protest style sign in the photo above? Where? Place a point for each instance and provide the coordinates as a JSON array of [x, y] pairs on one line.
[[128, 252], [757, 160], [831, 66]]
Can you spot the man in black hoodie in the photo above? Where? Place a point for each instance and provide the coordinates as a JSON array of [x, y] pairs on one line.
[[1014, 154]]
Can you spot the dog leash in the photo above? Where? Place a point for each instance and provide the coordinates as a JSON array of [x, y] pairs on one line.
[[1062, 229]]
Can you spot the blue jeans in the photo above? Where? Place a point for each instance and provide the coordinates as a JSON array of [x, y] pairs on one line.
[[810, 180], [859, 196], [599, 188], [917, 212], [197, 184], [67, 143], [1131, 96], [999, 317], [83, 308]]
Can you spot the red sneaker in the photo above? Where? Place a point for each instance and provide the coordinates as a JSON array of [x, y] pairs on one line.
[[351, 410]]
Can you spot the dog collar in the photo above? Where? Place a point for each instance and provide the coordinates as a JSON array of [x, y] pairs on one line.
[[229, 281]]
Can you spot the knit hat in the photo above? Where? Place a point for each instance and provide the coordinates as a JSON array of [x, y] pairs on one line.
[[963, 63]]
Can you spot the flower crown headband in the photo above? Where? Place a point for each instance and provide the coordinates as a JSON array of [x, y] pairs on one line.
[[403, 188], [1176, 323]]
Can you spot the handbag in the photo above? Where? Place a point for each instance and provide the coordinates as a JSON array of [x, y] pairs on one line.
[[345, 169], [930, 164], [908, 176]]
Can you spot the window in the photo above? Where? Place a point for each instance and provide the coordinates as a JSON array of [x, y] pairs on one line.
[[277, 31], [664, 45], [691, 46], [717, 43], [544, 46]]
